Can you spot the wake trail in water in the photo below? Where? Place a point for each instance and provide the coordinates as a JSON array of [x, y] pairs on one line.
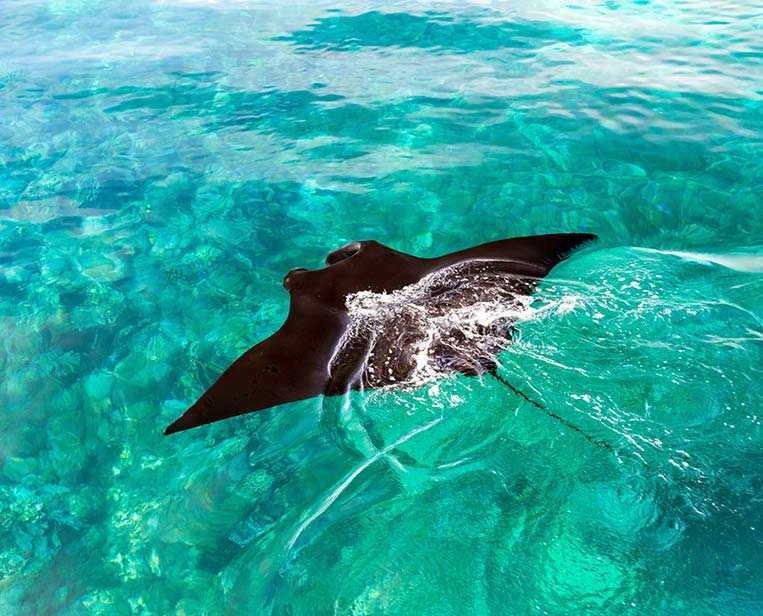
[[569, 424], [740, 262], [457, 320]]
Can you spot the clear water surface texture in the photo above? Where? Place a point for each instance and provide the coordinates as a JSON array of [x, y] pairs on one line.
[[163, 164]]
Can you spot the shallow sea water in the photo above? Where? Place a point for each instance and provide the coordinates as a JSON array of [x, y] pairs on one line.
[[163, 164]]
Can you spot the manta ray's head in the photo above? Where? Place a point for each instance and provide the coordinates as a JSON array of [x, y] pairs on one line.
[[357, 266], [296, 275]]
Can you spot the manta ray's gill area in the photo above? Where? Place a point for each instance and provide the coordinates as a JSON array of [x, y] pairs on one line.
[[455, 320], [164, 163]]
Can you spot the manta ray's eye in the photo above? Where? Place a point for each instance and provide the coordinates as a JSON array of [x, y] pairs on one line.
[[345, 252]]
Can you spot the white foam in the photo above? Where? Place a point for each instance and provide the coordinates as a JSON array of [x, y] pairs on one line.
[[477, 304]]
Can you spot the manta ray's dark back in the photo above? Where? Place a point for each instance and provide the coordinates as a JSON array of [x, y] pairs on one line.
[[295, 362]]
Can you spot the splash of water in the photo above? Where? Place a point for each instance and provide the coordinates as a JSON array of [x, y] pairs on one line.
[[455, 320]]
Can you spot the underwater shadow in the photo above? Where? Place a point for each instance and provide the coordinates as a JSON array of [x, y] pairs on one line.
[[429, 31]]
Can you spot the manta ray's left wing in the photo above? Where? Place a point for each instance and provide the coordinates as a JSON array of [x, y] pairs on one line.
[[291, 365]]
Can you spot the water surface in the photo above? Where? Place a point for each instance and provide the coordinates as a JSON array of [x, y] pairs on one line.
[[163, 164]]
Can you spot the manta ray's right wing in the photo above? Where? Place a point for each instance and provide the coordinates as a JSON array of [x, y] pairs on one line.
[[533, 256], [291, 365]]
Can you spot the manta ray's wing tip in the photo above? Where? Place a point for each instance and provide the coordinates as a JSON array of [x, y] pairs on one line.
[[176, 426], [583, 238], [173, 427], [549, 250], [190, 419], [568, 242]]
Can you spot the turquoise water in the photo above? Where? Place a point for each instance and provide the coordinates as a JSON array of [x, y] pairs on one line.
[[163, 164]]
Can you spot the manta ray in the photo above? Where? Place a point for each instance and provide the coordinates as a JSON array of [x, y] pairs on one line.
[[376, 317]]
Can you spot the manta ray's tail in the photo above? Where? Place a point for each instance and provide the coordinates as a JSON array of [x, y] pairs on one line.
[[538, 405]]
